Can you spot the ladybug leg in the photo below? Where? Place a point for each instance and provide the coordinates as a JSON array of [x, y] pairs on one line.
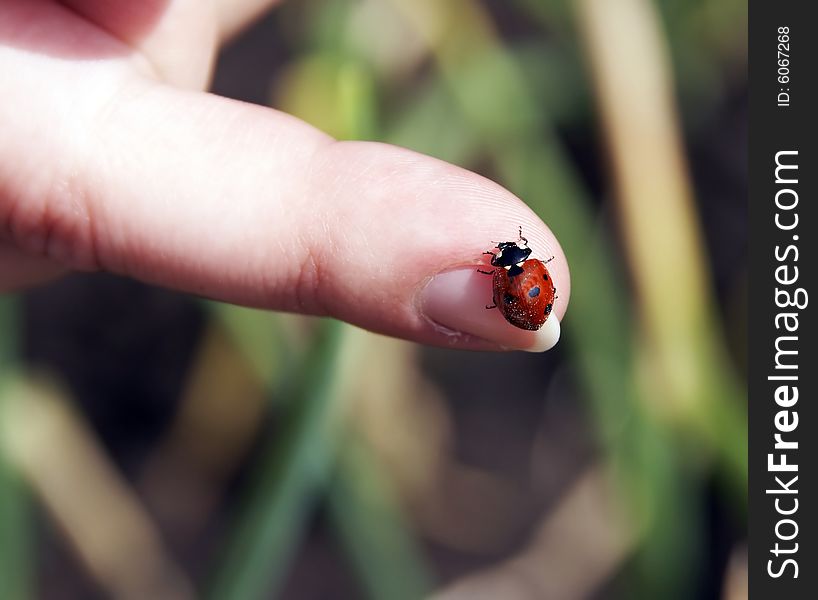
[[549, 260], [486, 272], [493, 258]]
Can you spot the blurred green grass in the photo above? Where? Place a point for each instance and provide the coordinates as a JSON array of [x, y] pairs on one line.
[[16, 553]]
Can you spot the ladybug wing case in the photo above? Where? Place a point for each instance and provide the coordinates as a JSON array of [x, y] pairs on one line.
[[525, 299]]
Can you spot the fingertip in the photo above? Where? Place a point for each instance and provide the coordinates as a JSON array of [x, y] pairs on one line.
[[415, 274]]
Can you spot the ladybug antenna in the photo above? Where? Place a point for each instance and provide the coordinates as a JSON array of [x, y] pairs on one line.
[[522, 239]]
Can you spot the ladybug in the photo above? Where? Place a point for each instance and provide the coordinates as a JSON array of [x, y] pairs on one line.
[[523, 290]]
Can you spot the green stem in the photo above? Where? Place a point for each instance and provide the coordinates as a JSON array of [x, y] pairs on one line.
[[372, 529], [289, 481], [15, 535]]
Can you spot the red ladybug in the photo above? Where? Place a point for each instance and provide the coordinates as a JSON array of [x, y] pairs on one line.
[[523, 290]]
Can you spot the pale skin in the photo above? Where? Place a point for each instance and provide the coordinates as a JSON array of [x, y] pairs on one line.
[[114, 158]]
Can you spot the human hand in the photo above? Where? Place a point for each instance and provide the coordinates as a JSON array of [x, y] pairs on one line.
[[112, 157]]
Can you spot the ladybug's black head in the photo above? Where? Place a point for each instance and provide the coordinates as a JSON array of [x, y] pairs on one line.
[[510, 254], [504, 245]]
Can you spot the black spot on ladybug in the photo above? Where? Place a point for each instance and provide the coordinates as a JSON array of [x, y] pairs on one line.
[[548, 308], [509, 299], [534, 292], [514, 270], [545, 277]]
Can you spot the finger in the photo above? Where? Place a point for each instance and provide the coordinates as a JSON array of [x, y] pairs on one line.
[[178, 38], [248, 205]]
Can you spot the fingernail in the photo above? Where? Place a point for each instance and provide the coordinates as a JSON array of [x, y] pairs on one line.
[[457, 299]]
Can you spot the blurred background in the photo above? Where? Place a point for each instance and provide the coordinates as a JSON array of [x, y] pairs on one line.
[[153, 445]]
